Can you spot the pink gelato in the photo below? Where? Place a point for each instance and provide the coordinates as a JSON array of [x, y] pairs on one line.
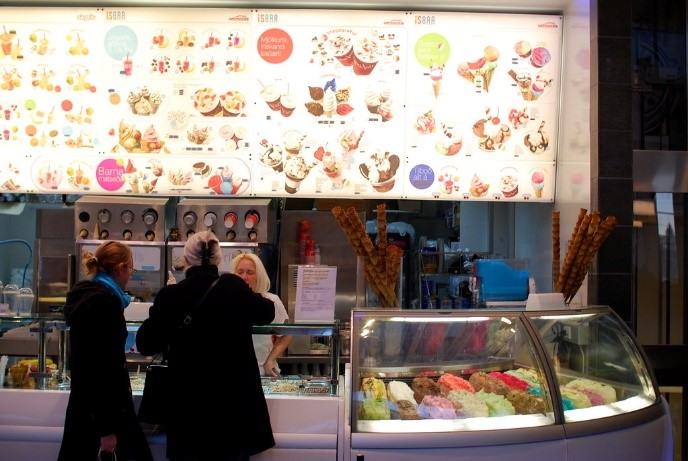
[[434, 407], [540, 57], [449, 382]]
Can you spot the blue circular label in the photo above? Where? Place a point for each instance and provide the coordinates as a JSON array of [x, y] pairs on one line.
[[120, 42], [421, 176]]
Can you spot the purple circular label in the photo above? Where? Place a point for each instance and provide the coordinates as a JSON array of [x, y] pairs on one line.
[[421, 176], [109, 174]]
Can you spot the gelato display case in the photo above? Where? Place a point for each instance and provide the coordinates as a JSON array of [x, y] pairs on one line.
[[566, 384]]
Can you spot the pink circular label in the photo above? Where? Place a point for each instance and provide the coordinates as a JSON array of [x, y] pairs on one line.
[[275, 46], [109, 174]]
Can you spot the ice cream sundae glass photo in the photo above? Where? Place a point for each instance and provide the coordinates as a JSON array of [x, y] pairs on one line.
[[537, 141], [491, 132], [449, 141], [333, 168], [293, 142], [380, 169], [295, 170], [271, 156], [508, 182]]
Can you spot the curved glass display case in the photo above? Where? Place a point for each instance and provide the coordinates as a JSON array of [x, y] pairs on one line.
[[472, 370]]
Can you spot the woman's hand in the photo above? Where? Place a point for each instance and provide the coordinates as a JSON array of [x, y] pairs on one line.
[[271, 368]]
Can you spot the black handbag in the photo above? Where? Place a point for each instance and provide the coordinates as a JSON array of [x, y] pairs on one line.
[[155, 401]]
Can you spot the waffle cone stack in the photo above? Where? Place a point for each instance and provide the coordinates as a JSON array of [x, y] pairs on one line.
[[382, 265], [589, 233]]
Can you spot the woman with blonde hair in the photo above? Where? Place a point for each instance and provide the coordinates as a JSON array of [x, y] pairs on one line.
[[100, 413], [250, 268]]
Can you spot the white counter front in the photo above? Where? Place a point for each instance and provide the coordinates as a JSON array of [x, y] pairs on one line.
[[31, 423]]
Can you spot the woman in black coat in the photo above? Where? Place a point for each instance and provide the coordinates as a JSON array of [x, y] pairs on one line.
[[100, 413], [216, 343]]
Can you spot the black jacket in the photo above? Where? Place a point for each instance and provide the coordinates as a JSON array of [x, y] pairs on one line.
[[213, 364], [100, 400]]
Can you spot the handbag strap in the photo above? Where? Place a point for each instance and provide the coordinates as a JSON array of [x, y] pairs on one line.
[[188, 318], [185, 322]]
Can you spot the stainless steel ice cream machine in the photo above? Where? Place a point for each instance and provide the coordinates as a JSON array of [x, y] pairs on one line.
[[138, 222], [242, 226]]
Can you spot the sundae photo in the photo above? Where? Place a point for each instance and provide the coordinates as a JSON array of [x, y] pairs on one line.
[[295, 169], [508, 182], [135, 141], [518, 118], [198, 135], [478, 188], [271, 156], [426, 123], [209, 104], [531, 87], [293, 142], [380, 170], [144, 102], [537, 141], [491, 132], [479, 68], [332, 167], [449, 141]]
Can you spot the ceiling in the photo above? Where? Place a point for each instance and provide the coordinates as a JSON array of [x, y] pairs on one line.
[[530, 6]]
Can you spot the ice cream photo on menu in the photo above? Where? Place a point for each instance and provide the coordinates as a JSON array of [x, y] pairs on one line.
[[479, 64], [432, 51]]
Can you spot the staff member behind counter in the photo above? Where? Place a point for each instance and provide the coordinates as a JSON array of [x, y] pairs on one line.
[[249, 267]]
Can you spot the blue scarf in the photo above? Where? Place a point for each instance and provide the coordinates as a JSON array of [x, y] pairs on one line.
[[109, 282]]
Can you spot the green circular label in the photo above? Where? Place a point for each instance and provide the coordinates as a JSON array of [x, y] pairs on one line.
[[432, 49]]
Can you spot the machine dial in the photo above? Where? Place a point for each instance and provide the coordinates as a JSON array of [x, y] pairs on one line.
[[190, 218], [150, 216], [127, 216], [210, 219], [104, 216]]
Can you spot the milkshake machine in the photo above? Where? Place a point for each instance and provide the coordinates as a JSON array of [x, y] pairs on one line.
[[241, 225], [138, 222]]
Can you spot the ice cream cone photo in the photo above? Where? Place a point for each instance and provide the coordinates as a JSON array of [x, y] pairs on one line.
[[436, 78]]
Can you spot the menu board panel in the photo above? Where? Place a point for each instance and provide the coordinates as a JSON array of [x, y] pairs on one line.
[[311, 103]]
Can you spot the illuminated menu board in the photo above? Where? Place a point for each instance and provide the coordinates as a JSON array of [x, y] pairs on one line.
[[310, 103]]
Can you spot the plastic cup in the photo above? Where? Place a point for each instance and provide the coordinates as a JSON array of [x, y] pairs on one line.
[[214, 183], [271, 95], [9, 294], [365, 56], [25, 300], [128, 65], [288, 104]]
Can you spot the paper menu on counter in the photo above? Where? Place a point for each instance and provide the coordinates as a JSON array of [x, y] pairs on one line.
[[315, 293]]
